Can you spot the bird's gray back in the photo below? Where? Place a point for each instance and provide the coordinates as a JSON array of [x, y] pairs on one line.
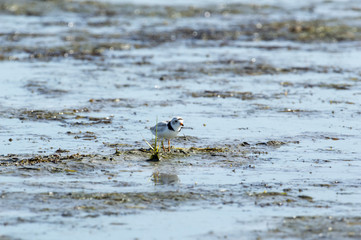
[[159, 126]]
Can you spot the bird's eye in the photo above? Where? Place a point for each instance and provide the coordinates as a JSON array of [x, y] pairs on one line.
[[176, 120]]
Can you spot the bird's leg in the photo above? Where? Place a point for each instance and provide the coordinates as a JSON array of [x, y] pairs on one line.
[[163, 145], [168, 145]]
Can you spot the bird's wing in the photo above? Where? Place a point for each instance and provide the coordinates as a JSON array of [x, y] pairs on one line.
[[159, 125]]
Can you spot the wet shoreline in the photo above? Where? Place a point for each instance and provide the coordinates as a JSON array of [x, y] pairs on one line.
[[270, 95]]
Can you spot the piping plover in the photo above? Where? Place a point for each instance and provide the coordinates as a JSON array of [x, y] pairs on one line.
[[168, 129]]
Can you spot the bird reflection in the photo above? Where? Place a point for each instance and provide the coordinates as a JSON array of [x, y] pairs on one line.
[[164, 178]]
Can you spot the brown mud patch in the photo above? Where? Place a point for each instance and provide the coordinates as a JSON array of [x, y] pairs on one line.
[[225, 94], [306, 31], [74, 117], [308, 227], [141, 154], [62, 161]]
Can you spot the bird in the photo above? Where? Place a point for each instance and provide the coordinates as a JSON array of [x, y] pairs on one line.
[[167, 129]]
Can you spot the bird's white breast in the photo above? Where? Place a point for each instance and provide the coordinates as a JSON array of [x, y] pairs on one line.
[[167, 134]]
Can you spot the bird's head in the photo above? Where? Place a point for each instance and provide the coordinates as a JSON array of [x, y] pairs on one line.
[[177, 123]]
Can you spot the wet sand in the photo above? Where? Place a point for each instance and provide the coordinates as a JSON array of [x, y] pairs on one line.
[[270, 94]]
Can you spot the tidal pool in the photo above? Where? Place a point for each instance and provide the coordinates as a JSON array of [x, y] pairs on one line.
[[270, 94]]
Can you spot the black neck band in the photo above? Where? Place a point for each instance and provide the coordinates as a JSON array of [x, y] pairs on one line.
[[170, 127]]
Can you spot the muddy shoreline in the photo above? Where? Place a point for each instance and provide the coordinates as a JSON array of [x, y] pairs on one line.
[[270, 94]]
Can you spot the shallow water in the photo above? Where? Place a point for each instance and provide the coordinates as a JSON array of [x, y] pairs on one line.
[[270, 94]]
